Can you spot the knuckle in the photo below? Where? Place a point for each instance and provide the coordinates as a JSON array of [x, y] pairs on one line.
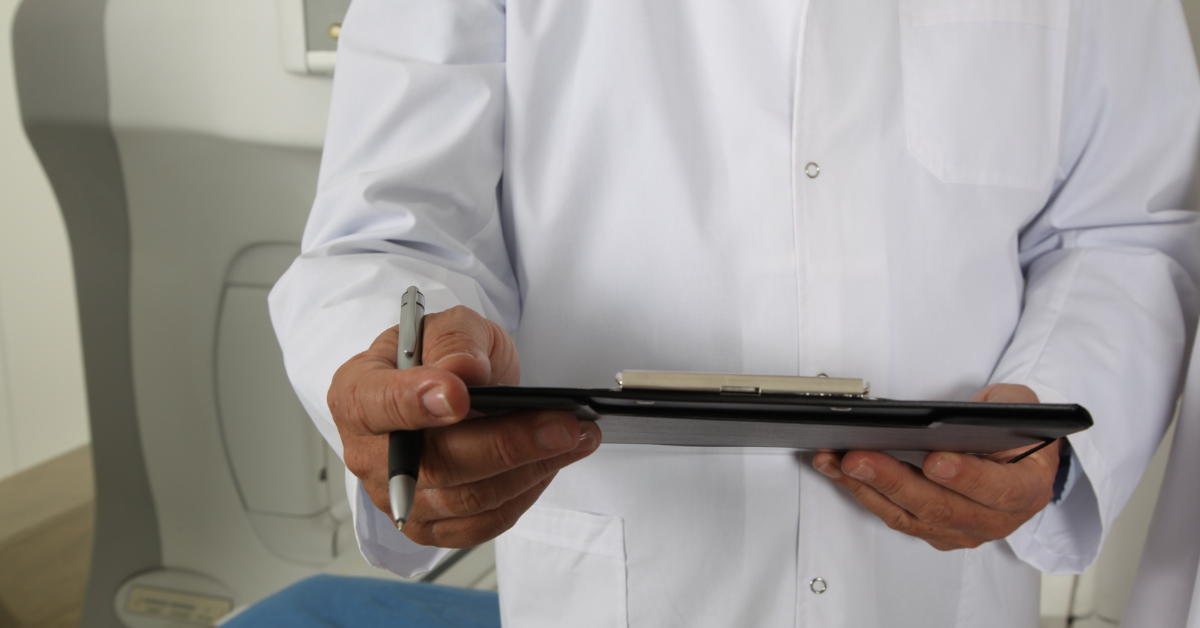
[[507, 451], [394, 391], [898, 521], [452, 338], [456, 337], [476, 499], [459, 312], [890, 485], [357, 463], [971, 543], [352, 411], [502, 521], [1000, 491], [938, 513], [973, 483], [1010, 498], [333, 397], [854, 487], [419, 534], [548, 467], [441, 534], [447, 533], [452, 502], [437, 471], [941, 546], [343, 389], [343, 402]]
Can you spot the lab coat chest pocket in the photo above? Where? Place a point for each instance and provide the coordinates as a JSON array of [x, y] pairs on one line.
[[983, 88], [562, 568]]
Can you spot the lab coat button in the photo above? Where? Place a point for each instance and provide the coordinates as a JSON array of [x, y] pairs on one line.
[[817, 586], [812, 170]]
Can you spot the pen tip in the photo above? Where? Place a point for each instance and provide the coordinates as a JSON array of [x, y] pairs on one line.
[[400, 524]]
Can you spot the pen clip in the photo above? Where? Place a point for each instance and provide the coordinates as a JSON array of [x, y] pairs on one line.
[[412, 312]]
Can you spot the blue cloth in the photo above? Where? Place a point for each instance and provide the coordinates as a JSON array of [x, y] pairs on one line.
[[342, 602]]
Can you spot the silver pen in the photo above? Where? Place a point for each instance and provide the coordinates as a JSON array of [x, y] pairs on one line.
[[404, 446]]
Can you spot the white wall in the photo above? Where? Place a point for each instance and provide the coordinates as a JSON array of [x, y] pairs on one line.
[[8, 451], [43, 411]]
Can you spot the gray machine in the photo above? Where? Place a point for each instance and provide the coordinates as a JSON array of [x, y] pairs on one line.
[[182, 140]]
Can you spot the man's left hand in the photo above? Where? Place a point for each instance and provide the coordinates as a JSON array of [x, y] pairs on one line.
[[955, 500]]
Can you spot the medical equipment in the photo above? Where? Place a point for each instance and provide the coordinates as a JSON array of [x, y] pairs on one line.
[[182, 140]]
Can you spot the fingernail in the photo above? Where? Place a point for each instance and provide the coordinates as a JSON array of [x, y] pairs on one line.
[[863, 472], [553, 436], [587, 442], [436, 403], [944, 469], [830, 470]]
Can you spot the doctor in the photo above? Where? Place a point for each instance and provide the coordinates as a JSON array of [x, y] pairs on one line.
[[946, 198]]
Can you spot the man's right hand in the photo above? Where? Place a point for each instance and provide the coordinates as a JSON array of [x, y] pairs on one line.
[[477, 476]]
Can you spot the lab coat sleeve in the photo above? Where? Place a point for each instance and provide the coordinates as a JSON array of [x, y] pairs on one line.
[[407, 195], [1111, 266]]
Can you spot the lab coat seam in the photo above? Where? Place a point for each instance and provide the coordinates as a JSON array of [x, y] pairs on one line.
[[800, 251], [800, 264]]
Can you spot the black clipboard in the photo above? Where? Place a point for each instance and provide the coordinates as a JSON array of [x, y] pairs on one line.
[[838, 422]]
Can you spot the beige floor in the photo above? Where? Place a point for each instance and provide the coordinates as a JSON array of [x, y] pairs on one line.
[[46, 516]]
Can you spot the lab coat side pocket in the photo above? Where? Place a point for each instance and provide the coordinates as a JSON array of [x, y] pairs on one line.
[[563, 568], [984, 88]]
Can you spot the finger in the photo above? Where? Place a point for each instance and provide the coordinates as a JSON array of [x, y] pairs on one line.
[[366, 397], [828, 463], [894, 516], [470, 346], [363, 460], [475, 529], [471, 499], [1010, 488], [930, 503], [1006, 393], [482, 448], [369, 396], [366, 458]]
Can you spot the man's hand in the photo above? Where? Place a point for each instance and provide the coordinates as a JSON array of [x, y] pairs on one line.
[[477, 476], [955, 500]]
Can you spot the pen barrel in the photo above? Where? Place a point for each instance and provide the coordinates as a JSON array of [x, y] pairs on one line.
[[404, 452]]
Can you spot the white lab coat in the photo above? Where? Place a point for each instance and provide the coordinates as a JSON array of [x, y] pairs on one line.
[[1166, 591], [929, 194]]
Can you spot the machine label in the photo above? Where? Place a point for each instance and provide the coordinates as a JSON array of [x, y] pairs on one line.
[[188, 607]]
